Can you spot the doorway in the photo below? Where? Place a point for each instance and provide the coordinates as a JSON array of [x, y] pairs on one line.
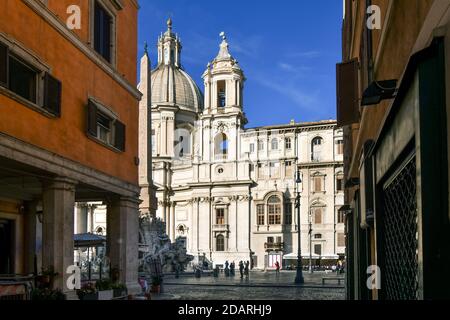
[[6, 246]]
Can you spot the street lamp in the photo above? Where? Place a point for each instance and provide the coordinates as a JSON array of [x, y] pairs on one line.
[[299, 276], [310, 242]]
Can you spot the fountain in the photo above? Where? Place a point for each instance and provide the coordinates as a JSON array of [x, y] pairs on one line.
[[155, 247]]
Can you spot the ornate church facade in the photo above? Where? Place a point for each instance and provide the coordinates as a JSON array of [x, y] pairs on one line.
[[230, 192]]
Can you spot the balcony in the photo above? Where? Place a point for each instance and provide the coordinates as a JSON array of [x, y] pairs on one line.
[[220, 227], [221, 156], [274, 246]]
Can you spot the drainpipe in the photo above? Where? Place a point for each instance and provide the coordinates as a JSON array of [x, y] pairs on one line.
[[369, 48]]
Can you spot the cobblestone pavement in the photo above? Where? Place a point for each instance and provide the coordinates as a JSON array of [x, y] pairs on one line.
[[269, 278], [259, 286]]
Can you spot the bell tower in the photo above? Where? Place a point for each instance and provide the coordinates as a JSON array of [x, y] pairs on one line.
[[224, 83]]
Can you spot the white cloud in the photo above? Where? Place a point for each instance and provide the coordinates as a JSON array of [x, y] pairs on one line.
[[305, 54], [305, 100], [293, 68]]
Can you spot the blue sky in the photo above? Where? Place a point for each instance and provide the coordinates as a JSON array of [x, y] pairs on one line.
[[288, 50]]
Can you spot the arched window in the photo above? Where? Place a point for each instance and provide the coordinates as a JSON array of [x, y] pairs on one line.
[[339, 182], [182, 142], [316, 148], [274, 210], [274, 144], [318, 236], [220, 243], [221, 95], [317, 215], [221, 145]]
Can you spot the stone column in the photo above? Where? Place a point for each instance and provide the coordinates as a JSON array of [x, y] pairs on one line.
[[82, 218], [31, 235], [123, 237], [58, 227], [173, 226]]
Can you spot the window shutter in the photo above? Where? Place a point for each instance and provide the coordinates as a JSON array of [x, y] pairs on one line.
[[347, 93], [318, 184], [92, 119], [3, 65], [318, 216], [52, 94], [119, 135]]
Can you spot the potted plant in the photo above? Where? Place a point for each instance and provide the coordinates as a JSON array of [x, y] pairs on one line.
[[45, 279], [47, 294], [119, 290], [105, 290], [88, 292], [156, 284]]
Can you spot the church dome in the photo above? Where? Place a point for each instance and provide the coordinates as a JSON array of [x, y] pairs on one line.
[[172, 85]]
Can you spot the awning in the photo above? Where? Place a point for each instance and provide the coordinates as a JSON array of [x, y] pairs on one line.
[[88, 240], [293, 256]]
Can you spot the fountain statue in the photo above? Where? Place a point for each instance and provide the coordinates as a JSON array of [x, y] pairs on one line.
[[155, 245]]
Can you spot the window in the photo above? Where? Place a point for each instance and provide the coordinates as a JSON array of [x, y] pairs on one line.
[[340, 217], [316, 148], [19, 75], [274, 144], [103, 23], [260, 145], [274, 210], [270, 240], [318, 249], [288, 144], [261, 171], [252, 147], [221, 144], [318, 182], [22, 79], [340, 182], [260, 214], [153, 141], [288, 213], [220, 216], [341, 239], [275, 169], [105, 127], [252, 167], [289, 173], [221, 96], [318, 236], [317, 215], [220, 243], [340, 147]]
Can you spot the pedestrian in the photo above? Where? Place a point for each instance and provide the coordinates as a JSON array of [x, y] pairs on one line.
[[232, 267], [277, 266], [246, 270], [227, 269], [241, 268]]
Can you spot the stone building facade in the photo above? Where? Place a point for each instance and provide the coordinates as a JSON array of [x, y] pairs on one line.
[[230, 191]]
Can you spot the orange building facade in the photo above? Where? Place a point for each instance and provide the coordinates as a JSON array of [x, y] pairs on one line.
[[69, 112]]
